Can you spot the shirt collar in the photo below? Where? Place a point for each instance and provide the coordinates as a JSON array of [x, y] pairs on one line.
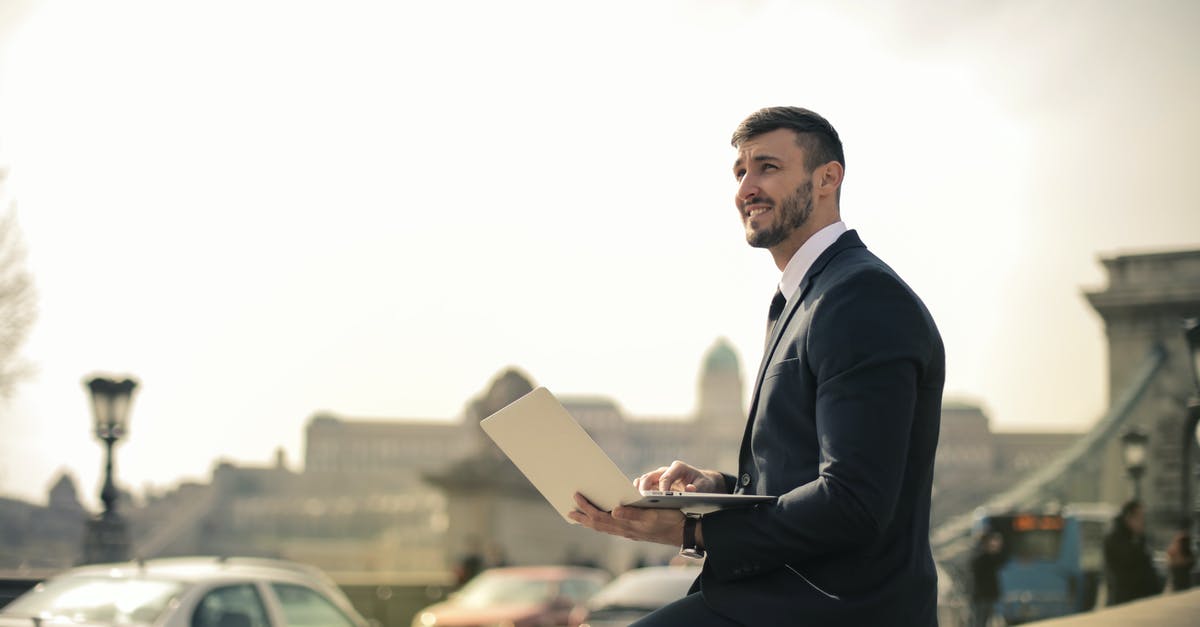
[[800, 262]]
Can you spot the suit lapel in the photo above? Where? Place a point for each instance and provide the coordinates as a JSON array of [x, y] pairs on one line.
[[849, 239]]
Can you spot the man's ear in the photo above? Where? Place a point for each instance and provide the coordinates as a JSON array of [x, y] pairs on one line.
[[828, 178]]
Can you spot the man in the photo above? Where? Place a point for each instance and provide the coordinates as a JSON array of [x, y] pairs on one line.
[[843, 421], [1128, 569], [986, 562]]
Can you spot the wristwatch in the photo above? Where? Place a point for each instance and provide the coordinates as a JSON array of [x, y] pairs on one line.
[[690, 547]]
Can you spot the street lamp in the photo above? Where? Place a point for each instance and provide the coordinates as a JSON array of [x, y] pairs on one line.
[[1191, 331], [107, 538], [1133, 449]]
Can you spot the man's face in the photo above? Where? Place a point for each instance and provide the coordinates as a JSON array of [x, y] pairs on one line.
[[774, 194], [1136, 520], [995, 542]]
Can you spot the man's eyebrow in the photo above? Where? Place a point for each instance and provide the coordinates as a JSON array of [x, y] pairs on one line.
[[759, 158]]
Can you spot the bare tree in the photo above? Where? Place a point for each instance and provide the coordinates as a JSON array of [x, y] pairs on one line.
[[18, 302]]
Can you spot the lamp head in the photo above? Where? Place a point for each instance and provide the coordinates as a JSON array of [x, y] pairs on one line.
[[1133, 449], [110, 405]]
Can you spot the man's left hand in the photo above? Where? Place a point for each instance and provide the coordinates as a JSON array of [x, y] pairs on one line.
[[664, 526]]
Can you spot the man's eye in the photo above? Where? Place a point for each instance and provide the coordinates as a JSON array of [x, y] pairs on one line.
[[769, 166], [739, 174]]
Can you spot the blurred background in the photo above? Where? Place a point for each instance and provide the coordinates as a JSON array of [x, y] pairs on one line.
[[326, 239]]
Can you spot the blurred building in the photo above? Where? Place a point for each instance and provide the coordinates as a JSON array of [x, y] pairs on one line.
[[397, 453], [490, 510], [973, 462], [39, 537]]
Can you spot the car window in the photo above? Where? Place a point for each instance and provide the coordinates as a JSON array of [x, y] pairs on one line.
[[494, 588], [578, 590], [306, 607], [97, 600], [648, 588], [231, 606]]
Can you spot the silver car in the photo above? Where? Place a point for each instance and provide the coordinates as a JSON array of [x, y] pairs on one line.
[[633, 595], [186, 592]]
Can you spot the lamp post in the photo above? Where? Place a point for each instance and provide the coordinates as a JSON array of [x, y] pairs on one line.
[[1133, 449], [1191, 331], [107, 538]]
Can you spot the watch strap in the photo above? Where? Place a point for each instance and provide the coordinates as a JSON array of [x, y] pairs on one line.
[[690, 548]]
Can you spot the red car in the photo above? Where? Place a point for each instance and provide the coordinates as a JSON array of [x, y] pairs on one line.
[[523, 596]]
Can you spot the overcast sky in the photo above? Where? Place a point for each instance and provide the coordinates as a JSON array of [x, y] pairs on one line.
[[266, 209]]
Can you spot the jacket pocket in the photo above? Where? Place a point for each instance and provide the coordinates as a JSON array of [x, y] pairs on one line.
[[785, 367]]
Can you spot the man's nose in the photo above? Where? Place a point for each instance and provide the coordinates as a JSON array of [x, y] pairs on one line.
[[747, 189]]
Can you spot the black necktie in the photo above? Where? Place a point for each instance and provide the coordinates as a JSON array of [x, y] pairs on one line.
[[773, 314]]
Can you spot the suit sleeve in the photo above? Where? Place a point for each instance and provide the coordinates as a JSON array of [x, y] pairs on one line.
[[868, 345]]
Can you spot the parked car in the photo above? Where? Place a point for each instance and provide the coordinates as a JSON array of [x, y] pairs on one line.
[[186, 592], [633, 595], [522, 596]]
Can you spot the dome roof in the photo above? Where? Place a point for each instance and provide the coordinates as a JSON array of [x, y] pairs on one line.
[[507, 387], [721, 358]]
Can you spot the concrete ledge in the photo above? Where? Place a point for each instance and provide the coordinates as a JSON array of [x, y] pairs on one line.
[[1169, 610]]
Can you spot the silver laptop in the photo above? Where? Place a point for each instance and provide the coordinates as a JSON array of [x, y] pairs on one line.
[[559, 458]]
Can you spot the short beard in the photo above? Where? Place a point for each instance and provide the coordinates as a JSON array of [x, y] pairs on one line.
[[794, 211]]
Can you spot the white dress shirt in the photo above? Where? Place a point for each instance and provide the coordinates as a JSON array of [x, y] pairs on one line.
[[800, 262]]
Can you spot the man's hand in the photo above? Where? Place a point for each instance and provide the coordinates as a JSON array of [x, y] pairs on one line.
[[681, 477], [664, 526]]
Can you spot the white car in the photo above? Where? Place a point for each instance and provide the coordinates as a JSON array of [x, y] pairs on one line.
[[633, 595], [186, 592]]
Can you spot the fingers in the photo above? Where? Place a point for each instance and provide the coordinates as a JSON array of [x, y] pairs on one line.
[[655, 525], [587, 514], [649, 481], [595, 518], [681, 477], [677, 476]]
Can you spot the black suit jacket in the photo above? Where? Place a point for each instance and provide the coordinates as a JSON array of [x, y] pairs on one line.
[[843, 426]]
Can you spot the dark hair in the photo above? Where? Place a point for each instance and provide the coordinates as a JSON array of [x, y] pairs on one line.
[[1129, 507], [814, 133]]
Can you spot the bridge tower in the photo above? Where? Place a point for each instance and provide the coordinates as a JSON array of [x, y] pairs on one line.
[[1147, 297]]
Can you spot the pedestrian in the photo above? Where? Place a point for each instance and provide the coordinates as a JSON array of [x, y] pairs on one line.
[[1180, 561], [843, 420], [470, 564], [1127, 565], [986, 562]]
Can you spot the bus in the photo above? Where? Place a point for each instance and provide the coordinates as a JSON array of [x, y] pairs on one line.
[[1054, 560]]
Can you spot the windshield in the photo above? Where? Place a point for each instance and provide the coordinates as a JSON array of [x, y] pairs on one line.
[[1030, 537], [497, 589], [96, 600], [645, 589], [1039, 545]]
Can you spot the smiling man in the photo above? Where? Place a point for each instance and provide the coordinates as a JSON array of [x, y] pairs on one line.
[[843, 423]]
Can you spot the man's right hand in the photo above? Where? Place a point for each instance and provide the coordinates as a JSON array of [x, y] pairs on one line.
[[681, 477]]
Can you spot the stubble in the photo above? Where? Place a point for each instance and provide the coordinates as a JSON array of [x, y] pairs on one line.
[[794, 211]]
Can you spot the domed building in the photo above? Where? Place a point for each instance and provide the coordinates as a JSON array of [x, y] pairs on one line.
[[488, 504]]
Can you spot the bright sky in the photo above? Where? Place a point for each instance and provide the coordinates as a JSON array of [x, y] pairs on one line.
[[266, 209]]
